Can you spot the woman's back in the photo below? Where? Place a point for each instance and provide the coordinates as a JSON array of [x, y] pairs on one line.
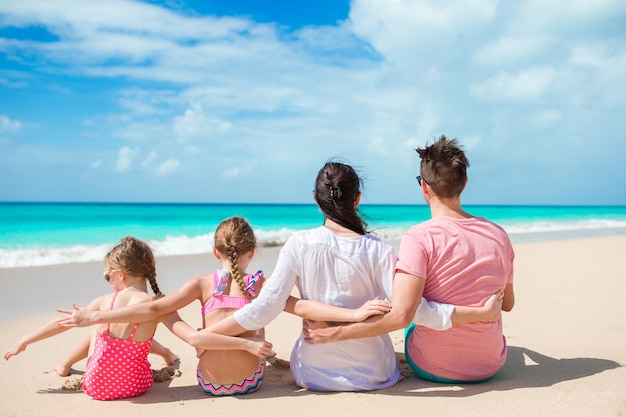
[[345, 272], [342, 271]]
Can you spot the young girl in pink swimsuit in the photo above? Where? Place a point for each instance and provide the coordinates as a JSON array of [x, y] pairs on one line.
[[118, 366]]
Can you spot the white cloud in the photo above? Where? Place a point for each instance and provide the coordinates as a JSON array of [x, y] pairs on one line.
[[231, 172], [125, 158], [161, 169], [378, 147], [167, 167], [563, 16], [607, 58], [418, 30], [195, 125], [144, 41], [79, 20], [9, 126], [12, 82], [545, 118], [520, 87], [513, 50], [238, 167], [96, 164], [152, 156]]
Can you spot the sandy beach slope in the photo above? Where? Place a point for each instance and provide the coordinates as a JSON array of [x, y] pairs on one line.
[[566, 336]]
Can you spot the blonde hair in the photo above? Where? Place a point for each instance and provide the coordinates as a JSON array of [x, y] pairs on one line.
[[234, 237], [135, 257]]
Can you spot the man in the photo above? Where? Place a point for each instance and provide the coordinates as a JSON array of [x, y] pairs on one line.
[[453, 258]]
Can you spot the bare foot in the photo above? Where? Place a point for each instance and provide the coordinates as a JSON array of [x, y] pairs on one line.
[[62, 370]]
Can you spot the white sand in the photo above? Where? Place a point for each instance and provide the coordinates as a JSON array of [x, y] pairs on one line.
[[566, 336]]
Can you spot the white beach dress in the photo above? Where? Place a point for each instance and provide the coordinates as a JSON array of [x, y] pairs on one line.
[[345, 272]]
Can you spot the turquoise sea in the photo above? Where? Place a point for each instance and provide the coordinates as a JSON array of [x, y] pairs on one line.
[[54, 233]]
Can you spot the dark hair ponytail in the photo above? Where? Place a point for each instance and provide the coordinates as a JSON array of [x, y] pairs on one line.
[[336, 189]]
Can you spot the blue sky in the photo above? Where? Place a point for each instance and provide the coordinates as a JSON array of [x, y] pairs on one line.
[[243, 101]]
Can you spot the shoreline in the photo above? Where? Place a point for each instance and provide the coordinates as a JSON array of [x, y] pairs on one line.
[[25, 257], [567, 346]]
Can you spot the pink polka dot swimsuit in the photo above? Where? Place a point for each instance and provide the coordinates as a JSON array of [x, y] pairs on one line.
[[118, 368]]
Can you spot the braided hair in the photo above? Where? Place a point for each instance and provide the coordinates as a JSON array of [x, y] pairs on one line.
[[234, 237], [336, 189], [135, 257]]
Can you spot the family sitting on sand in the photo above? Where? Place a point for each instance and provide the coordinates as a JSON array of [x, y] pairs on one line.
[[463, 264]]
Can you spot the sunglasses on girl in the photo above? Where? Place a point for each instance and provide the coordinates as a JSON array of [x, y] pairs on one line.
[[107, 274]]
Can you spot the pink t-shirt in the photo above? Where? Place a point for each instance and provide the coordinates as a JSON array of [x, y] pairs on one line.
[[464, 261]]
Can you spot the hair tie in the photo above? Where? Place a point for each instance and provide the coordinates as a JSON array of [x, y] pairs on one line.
[[335, 192]]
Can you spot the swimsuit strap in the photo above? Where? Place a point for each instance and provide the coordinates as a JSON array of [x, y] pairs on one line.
[[111, 308], [132, 332], [253, 279], [220, 281]]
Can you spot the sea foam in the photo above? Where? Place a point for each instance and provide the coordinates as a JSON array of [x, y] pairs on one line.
[[188, 245], [170, 246]]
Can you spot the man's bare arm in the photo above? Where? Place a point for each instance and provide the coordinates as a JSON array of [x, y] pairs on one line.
[[407, 290]]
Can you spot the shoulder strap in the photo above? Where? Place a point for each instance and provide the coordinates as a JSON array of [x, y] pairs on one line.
[[132, 332], [111, 308], [221, 277], [253, 279]]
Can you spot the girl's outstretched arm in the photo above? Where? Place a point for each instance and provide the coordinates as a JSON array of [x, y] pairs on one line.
[[44, 332], [140, 312], [48, 330]]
